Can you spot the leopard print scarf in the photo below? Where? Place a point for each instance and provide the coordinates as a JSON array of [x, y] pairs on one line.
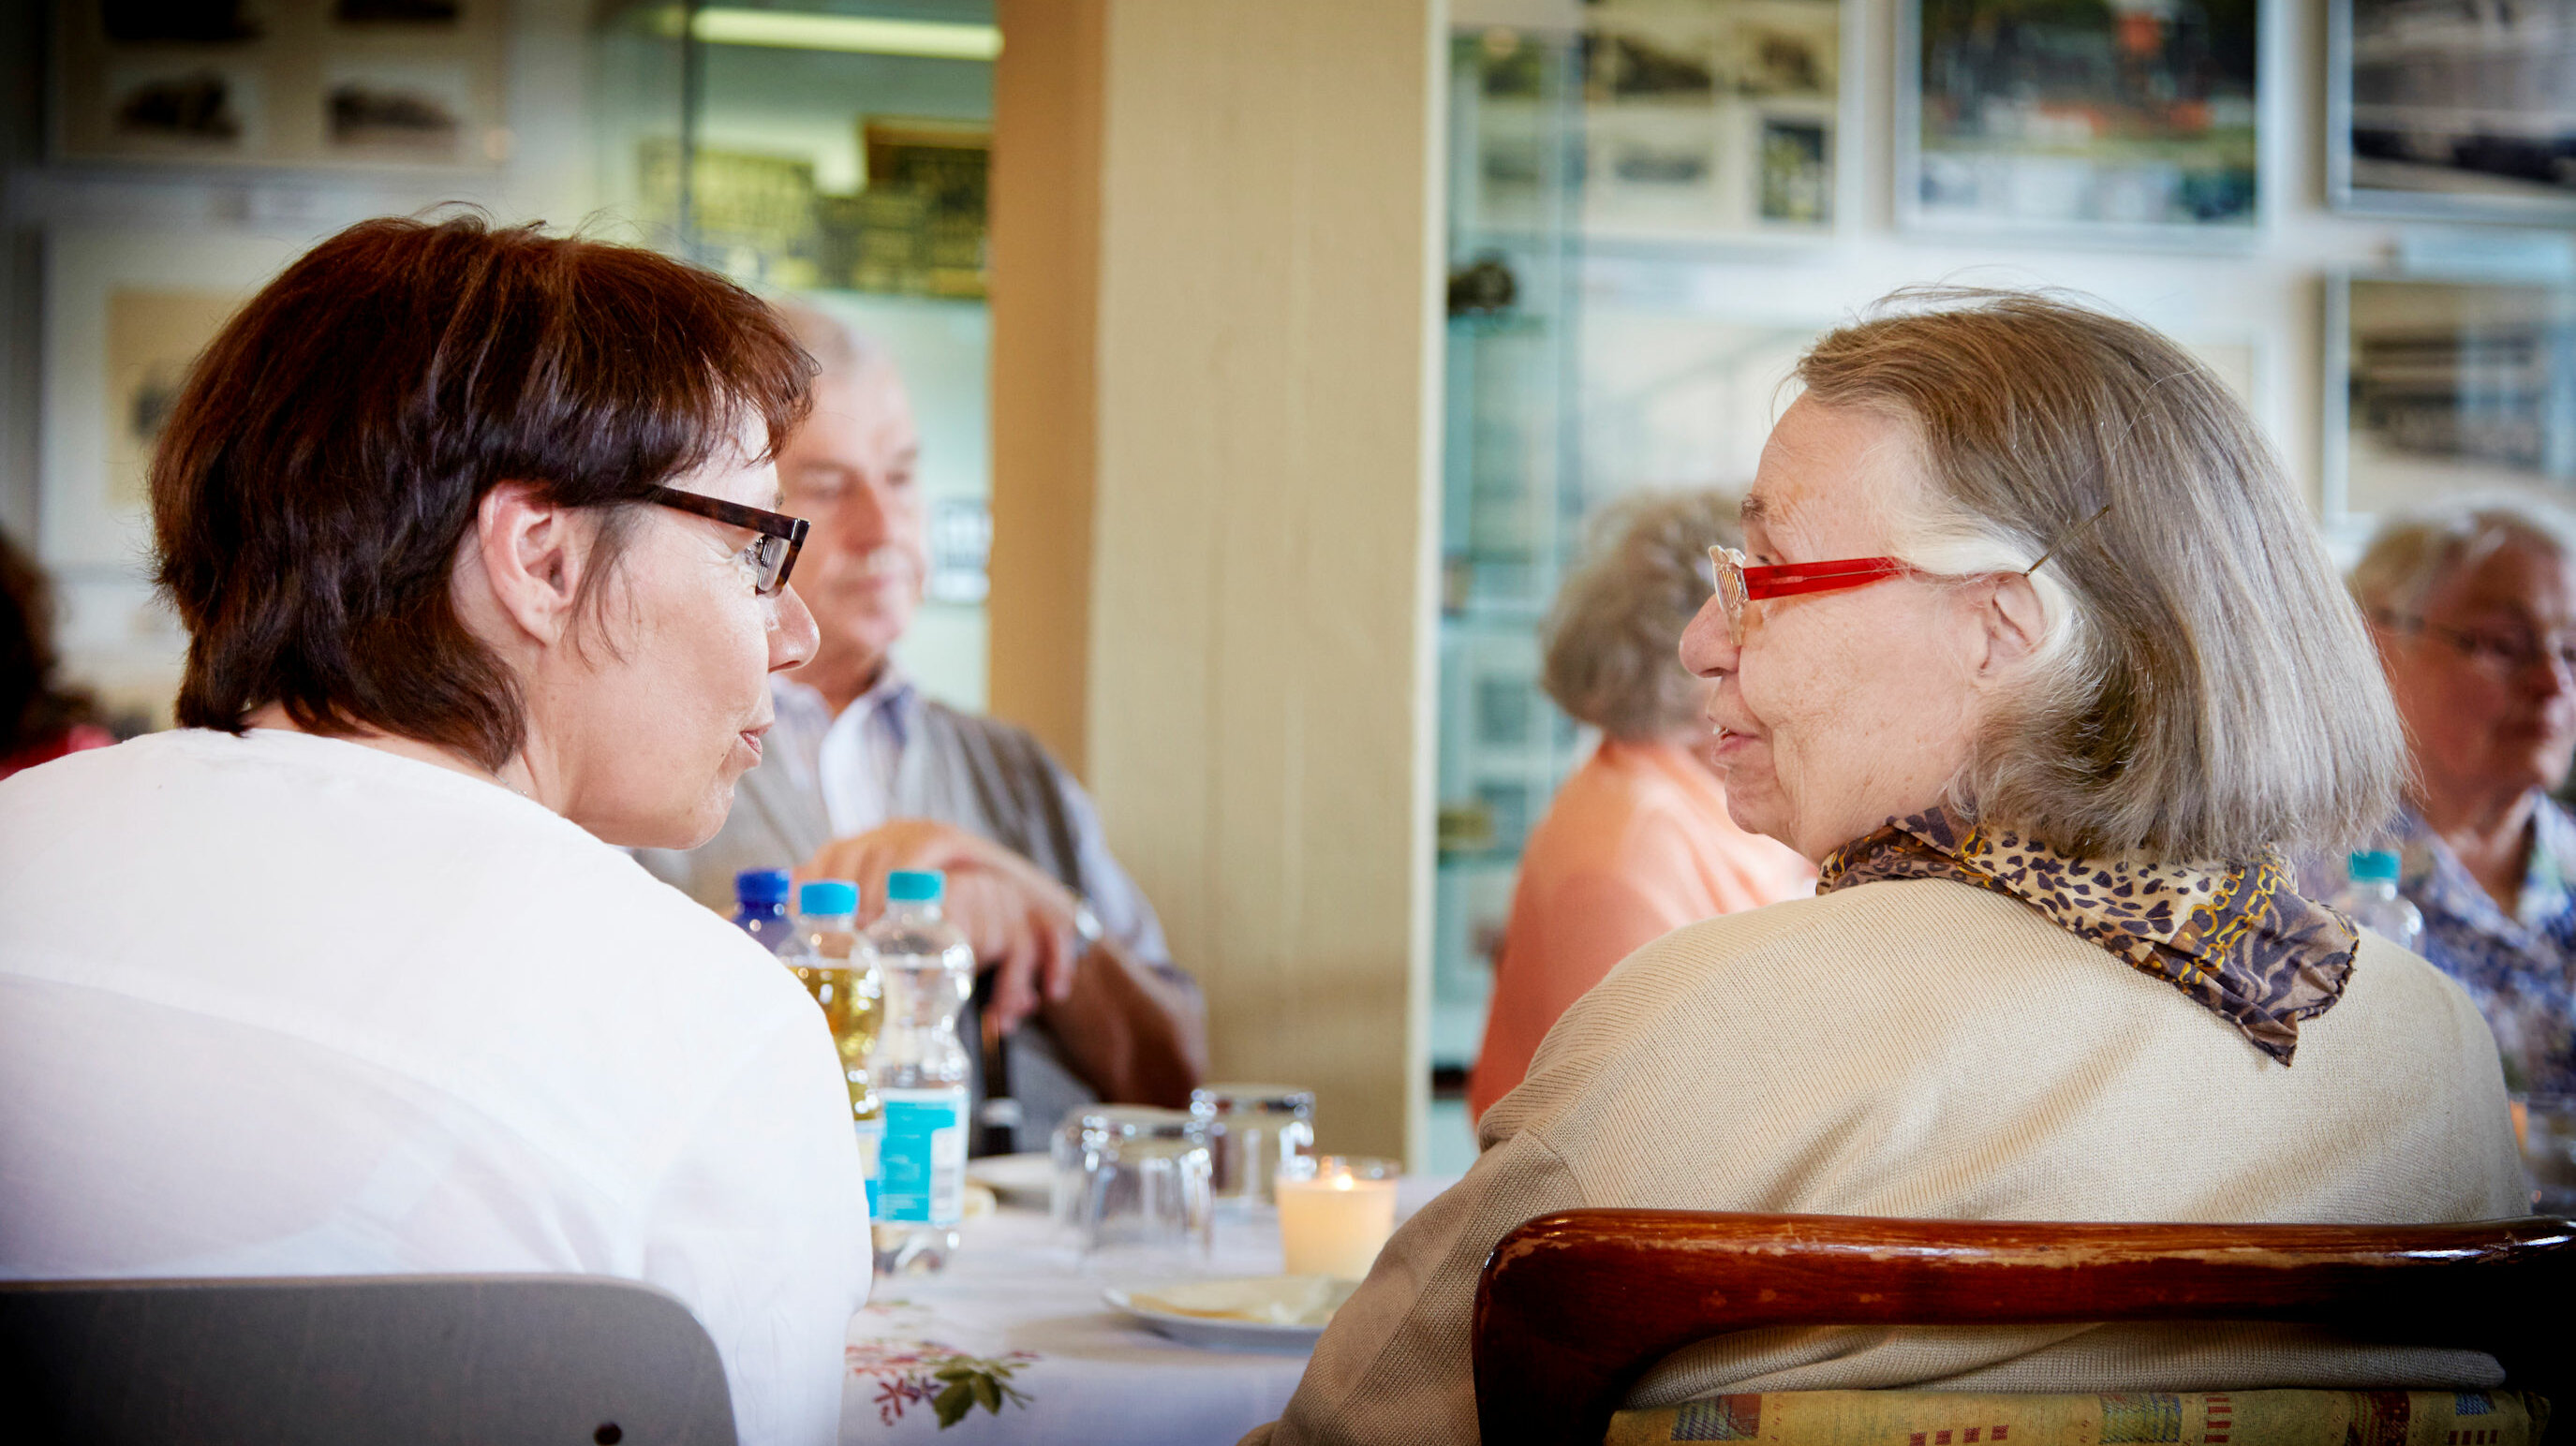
[[2237, 939]]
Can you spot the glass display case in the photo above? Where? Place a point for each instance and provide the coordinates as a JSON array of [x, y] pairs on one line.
[[835, 150], [1510, 499], [1582, 360]]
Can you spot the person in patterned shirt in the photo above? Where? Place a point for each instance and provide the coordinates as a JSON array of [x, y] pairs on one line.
[[2473, 607]]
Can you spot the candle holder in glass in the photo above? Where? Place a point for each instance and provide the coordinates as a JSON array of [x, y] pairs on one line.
[[1251, 1129], [1335, 1211]]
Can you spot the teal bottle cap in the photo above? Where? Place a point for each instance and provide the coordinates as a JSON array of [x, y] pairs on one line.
[[915, 886], [826, 897], [2374, 866]]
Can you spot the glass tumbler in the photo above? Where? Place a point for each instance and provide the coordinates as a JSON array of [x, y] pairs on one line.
[[1133, 1189], [2545, 1126], [1251, 1129]]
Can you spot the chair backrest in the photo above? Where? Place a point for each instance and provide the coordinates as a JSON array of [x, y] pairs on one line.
[[483, 1360], [1573, 1307]]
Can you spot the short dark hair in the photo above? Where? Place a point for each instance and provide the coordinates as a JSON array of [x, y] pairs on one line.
[[324, 463]]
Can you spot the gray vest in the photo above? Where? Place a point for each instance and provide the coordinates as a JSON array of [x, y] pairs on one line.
[[958, 768]]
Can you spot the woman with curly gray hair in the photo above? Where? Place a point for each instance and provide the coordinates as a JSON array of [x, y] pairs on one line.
[[2033, 649], [1637, 842]]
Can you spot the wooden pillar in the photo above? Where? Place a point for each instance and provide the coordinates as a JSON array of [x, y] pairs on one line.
[[1262, 507], [1045, 239]]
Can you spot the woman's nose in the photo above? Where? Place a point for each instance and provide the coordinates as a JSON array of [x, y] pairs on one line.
[[1709, 649], [793, 637]]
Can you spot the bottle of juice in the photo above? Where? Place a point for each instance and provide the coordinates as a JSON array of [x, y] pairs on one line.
[[825, 956]]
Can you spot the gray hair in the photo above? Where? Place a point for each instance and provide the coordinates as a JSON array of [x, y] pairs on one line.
[[839, 349], [1613, 635], [2416, 552], [2204, 688]]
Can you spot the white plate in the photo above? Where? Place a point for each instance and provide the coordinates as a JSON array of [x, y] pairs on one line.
[[1018, 1179], [1215, 1332]]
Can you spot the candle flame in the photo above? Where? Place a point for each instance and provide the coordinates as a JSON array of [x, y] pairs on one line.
[[1342, 1182]]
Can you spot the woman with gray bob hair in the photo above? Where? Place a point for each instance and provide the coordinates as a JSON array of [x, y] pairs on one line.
[[1637, 842], [2192, 690], [2030, 647]]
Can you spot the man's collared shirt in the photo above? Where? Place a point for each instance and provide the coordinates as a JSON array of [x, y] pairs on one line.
[[2516, 966], [855, 758], [852, 762]]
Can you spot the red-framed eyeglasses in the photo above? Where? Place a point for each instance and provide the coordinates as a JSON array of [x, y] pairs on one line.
[[1738, 584]]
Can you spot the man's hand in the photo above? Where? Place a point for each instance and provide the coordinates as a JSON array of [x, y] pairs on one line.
[[1018, 919]]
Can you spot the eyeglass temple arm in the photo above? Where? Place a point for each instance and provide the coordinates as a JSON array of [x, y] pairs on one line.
[[760, 520], [1788, 579]]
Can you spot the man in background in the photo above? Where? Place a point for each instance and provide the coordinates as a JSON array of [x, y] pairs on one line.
[[862, 775]]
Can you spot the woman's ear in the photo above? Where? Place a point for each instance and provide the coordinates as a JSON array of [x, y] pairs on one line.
[[2013, 622], [532, 554]]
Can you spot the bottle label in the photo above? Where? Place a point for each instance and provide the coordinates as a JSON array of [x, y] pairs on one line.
[[922, 1163], [871, 1132]]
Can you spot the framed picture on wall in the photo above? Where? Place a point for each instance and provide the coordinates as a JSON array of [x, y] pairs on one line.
[[405, 84], [2463, 108], [2439, 388], [1712, 119], [2134, 122], [126, 312]]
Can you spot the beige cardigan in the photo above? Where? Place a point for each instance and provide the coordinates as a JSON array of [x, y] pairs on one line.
[[1924, 1048]]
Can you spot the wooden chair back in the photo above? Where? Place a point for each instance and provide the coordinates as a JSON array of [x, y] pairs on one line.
[[485, 1360], [1574, 1307]]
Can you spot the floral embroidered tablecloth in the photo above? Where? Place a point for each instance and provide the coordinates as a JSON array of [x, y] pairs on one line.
[[1014, 1344]]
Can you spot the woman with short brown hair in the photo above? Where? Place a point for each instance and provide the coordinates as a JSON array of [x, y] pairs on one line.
[[470, 530]]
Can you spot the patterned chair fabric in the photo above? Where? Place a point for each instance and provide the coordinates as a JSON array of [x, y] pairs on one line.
[[2215, 1418]]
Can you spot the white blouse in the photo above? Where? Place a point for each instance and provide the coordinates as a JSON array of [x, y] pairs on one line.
[[286, 1005]]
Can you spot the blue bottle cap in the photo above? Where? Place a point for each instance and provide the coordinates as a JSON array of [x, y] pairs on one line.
[[826, 897], [760, 888], [2373, 866], [915, 886]]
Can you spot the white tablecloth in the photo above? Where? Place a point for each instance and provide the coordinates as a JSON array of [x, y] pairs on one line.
[[1021, 1325]]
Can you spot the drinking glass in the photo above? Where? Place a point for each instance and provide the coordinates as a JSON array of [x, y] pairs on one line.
[[2545, 1126], [1133, 1189], [1251, 1129]]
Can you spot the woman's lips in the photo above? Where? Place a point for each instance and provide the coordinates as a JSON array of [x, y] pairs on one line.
[[1724, 741], [751, 738]]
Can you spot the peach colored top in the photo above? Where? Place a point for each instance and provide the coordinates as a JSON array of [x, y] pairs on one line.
[[1637, 844]]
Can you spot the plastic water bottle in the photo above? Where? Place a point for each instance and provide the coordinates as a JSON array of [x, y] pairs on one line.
[[824, 954], [760, 907], [2373, 902], [919, 1067]]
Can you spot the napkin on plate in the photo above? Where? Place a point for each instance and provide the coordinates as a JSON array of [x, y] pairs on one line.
[[1286, 1300]]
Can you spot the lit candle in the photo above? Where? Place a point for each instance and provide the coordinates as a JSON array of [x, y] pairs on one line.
[[1334, 1213]]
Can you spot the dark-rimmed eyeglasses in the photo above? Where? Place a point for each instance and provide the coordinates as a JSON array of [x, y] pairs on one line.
[[773, 554]]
